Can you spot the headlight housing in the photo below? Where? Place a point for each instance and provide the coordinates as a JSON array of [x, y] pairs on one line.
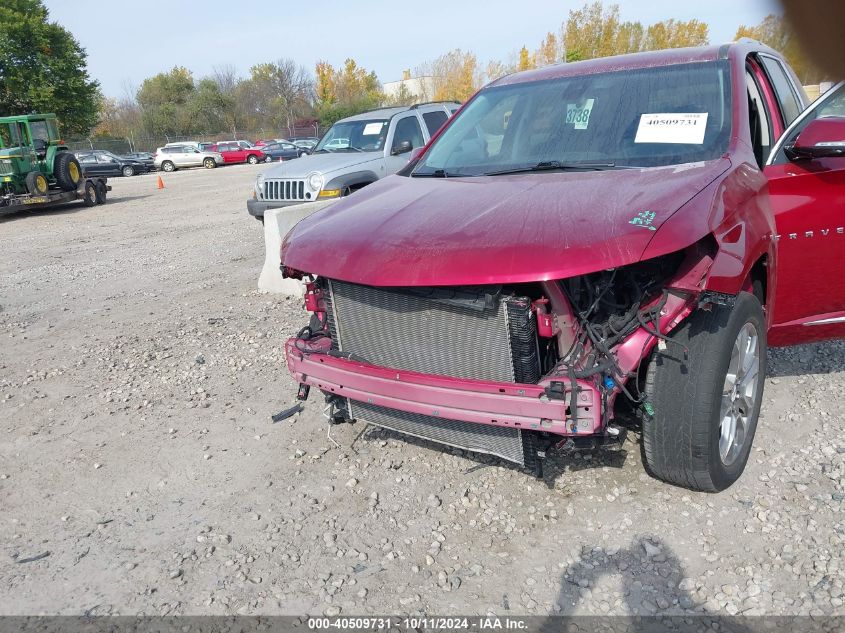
[[315, 181], [259, 186]]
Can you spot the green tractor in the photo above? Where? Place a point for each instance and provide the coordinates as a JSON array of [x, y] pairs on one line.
[[33, 158]]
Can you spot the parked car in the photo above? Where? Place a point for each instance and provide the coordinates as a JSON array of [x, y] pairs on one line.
[[306, 143], [239, 152], [172, 157], [269, 141], [101, 162], [585, 248], [282, 151], [142, 157], [355, 152]]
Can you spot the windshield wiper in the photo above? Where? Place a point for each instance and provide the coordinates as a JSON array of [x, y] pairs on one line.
[[551, 165], [437, 173]]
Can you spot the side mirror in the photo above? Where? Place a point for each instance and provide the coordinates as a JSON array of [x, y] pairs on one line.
[[415, 154], [822, 138], [403, 148]]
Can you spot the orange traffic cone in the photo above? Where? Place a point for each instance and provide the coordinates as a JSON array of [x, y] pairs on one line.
[[160, 183], [280, 159]]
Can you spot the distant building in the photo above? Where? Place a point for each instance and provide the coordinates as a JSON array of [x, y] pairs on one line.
[[421, 87]]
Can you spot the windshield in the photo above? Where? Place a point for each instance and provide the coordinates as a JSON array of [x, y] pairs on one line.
[[644, 117], [346, 136]]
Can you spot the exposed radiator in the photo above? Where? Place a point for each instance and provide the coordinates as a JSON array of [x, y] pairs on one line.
[[460, 332], [501, 441]]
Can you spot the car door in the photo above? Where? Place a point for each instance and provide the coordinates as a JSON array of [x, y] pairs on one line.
[[808, 201], [407, 129], [89, 165], [107, 166]]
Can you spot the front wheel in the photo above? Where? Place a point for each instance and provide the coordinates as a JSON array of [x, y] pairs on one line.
[[268, 159], [168, 166], [705, 390], [36, 183], [252, 159], [209, 163], [128, 171]]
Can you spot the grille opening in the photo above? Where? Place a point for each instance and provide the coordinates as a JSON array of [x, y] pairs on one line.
[[487, 333], [480, 332]]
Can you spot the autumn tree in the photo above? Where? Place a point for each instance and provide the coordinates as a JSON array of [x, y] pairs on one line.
[[277, 93], [775, 32], [344, 92], [549, 51], [455, 75], [526, 60], [43, 68], [676, 34], [163, 100]]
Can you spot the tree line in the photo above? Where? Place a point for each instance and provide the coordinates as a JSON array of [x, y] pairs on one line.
[[43, 68]]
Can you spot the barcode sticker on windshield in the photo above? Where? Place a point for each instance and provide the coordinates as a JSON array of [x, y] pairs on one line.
[[579, 114], [372, 128], [672, 127]]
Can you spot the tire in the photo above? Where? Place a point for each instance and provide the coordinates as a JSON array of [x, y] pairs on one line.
[[36, 183], [89, 194], [687, 439], [101, 192], [209, 163], [268, 159], [128, 171], [168, 166], [67, 171], [252, 159]]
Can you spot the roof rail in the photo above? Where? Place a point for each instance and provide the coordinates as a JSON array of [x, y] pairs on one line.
[[417, 105]]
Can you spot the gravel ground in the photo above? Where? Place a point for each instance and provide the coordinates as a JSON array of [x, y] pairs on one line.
[[140, 472]]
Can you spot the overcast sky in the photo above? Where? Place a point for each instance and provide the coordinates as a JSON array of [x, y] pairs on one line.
[[127, 42]]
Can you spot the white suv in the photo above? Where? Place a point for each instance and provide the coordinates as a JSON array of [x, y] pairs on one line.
[[355, 152], [173, 156]]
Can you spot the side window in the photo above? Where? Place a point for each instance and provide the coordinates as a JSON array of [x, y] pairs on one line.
[[433, 120], [789, 104], [88, 159], [104, 158], [758, 121], [408, 129]]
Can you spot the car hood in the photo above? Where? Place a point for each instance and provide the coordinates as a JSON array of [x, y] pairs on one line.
[[404, 231], [323, 163]]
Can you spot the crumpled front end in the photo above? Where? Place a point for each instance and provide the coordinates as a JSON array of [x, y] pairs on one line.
[[509, 370]]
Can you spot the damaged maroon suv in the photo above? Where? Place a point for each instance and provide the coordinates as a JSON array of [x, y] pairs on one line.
[[586, 248]]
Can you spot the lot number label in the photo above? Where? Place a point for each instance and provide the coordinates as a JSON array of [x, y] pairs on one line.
[[579, 115], [672, 128]]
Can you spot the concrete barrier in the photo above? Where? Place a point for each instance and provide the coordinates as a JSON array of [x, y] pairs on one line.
[[277, 223]]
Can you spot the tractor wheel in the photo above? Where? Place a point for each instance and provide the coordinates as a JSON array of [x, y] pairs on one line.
[[67, 171], [36, 183], [101, 192], [89, 195]]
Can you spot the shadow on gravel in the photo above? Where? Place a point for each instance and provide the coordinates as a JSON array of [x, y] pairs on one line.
[[654, 589], [555, 466], [813, 358]]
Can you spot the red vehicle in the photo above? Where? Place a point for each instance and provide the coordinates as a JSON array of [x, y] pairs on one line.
[[238, 152], [583, 249]]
